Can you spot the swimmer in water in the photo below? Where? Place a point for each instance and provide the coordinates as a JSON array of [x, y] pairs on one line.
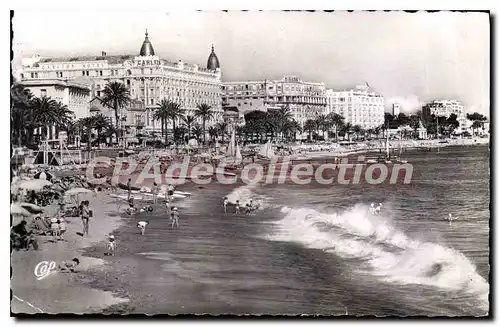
[[225, 204], [451, 218]]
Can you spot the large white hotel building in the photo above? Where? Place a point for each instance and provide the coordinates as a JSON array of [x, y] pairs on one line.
[[358, 106], [306, 100], [148, 77]]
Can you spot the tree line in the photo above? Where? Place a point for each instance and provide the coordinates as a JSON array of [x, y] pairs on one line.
[[49, 117]]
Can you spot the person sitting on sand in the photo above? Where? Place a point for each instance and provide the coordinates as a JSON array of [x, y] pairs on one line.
[[237, 207], [142, 226], [131, 210], [54, 226], [175, 217], [225, 204], [69, 266], [21, 237], [111, 245]]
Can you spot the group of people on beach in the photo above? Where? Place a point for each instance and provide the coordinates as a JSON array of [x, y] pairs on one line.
[[249, 207]]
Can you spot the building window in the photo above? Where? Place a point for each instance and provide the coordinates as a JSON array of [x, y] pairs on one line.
[[43, 92], [128, 82], [83, 73], [98, 93], [100, 73]]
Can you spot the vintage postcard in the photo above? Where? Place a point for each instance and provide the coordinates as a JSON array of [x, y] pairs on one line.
[[251, 163]]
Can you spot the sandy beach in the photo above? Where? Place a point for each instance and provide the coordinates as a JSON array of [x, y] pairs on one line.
[[65, 292]]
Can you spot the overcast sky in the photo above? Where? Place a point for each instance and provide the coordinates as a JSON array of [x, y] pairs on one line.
[[409, 58]]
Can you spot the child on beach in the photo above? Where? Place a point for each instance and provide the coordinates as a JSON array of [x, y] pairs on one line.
[[237, 207], [142, 225], [54, 226], [69, 266], [175, 217], [225, 204], [111, 245], [62, 228]]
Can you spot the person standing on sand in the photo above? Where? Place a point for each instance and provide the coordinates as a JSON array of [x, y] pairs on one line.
[[54, 226], [155, 191], [237, 207], [170, 189], [85, 217], [62, 228], [225, 204], [175, 217], [167, 204], [129, 187]]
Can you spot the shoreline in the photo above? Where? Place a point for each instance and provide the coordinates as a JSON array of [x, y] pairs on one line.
[[65, 292]]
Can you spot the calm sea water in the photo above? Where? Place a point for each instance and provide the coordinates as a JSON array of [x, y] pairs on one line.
[[316, 249]]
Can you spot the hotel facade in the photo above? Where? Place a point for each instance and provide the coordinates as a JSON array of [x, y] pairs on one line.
[[446, 108], [306, 100], [358, 106], [148, 78]]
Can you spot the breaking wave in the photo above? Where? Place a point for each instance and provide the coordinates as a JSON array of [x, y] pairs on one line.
[[383, 250]]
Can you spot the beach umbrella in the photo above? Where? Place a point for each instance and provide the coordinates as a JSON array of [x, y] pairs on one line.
[[34, 184], [44, 175], [17, 210], [30, 207]]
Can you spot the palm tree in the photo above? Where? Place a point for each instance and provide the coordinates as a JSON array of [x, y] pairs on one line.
[[189, 122], [213, 133], [174, 112], [116, 95], [100, 122], [337, 121], [347, 128], [222, 127], [281, 117], [87, 124], [291, 128], [160, 113], [197, 131], [356, 129], [44, 113], [310, 126], [323, 123], [20, 101], [65, 115], [205, 112]]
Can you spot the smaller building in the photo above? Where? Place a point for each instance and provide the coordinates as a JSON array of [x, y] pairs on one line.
[[440, 108], [75, 96], [396, 109]]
